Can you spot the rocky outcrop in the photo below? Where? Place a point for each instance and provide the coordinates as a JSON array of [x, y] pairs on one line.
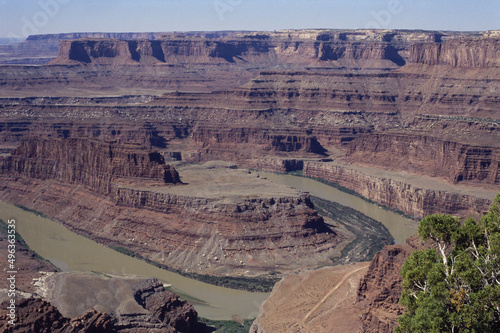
[[396, 194], [380, 289], [166, 307], [131, 305], [428, 155], [127, 201], [91, 163], [37, 315], [143, 307]]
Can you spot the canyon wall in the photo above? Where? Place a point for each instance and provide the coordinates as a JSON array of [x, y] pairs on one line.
[[396, 194], [463, 53], [424, 102], [123, 196], [371, 49], [428, 155], [90, 163]]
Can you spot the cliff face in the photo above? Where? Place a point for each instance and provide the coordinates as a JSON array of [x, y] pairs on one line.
[[428, 155], [396, 194], [121, 193], [380, 289], [90, 163], [374, 49], [463, 53]]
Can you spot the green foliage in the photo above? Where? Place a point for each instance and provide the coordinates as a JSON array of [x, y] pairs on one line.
[[457, 287]]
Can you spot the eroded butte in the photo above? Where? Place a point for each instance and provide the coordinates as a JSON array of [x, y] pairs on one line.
[[99, 133]]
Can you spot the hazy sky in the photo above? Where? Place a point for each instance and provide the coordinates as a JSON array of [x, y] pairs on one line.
[[19, 18]]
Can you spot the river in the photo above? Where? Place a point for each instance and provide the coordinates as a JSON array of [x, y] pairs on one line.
[[72, 252], [400, 227]]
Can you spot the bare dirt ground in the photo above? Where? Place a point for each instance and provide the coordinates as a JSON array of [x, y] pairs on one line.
[[222, 181], [315, 301]]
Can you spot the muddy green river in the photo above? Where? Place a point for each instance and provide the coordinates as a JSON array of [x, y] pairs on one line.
[[71, 252], [400, 227]]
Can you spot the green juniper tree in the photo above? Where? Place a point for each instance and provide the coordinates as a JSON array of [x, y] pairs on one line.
[[455, 288]]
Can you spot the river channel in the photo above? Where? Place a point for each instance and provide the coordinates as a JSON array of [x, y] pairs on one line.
[[72, 252], [400, 227]]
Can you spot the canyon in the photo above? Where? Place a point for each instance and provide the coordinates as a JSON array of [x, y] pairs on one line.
[[215, 219], [121, 137], [405, 101]]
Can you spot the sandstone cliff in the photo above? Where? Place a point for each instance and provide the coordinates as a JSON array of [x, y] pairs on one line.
[[428, 155], [380, 289], [222, 221], [368, 48], [465, 53], [397, 194], [90, 163]]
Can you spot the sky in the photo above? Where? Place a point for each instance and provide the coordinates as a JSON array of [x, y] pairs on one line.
[[20, 18]]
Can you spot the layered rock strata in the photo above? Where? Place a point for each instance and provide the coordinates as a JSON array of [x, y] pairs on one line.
[[37, 315], [397, 194], [379, 290], [429, 155], [424, 102], [386, 48], [221, 221], [95, 164]]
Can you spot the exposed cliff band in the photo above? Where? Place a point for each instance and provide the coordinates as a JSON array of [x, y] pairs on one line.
[[222, 221], [383, 48]]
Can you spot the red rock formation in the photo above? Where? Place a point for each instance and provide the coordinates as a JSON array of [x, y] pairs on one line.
[[380, 289], [91, 163], [36, 315], [370, 48], [405, 197], [166, 307], [465, 53], [406, 107], [117, 205], [428, 155]]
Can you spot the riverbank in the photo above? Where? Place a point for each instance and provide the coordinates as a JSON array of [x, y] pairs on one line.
[[399, 227], [72, 252], [370, 236]]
